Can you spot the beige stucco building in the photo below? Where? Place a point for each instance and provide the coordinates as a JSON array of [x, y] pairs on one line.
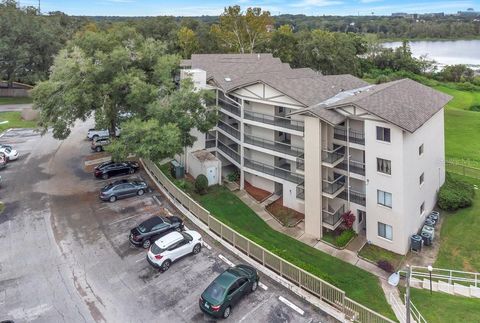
[[328, 144]]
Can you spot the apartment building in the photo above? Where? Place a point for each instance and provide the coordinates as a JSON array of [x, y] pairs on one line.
[[328, 144]]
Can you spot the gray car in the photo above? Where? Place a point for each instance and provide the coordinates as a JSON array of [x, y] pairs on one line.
[[121, 189]]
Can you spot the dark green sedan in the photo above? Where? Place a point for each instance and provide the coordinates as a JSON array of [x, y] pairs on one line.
[[227, 290]]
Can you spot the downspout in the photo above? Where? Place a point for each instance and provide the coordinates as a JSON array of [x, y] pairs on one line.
[[242, 132], [348, 163]]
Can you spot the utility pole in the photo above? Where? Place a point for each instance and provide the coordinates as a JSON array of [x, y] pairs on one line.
[[39, 12]]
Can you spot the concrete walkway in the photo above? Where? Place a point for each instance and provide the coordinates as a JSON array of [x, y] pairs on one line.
[[346, 255], [15, 107]]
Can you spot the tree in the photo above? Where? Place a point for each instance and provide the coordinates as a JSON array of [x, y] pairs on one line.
[[108, 73], [457, 73], [188, 42], [283, 44], [146, 139], [242, 32]]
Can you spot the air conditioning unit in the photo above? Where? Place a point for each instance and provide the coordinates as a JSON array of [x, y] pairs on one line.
[[429, 230]]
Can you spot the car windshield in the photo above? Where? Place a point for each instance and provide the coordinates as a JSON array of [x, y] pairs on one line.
[[215, 292], [187, 236], [8, 150], [107, 187], [167, 220]]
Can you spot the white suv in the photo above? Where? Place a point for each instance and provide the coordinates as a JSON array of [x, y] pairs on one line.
[[172, 247], [93, 133]]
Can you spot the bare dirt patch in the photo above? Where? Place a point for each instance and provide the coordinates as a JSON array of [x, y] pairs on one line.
[[257, 193], [287, 217]]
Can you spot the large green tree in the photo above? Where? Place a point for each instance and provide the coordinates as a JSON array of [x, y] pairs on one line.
[[242, 31], [108, 73]]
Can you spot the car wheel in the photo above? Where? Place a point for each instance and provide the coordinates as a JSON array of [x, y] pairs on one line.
[[98, 149], [146, 244], [112, 198], [166, 264], [226, 312], [131, 171], [197, 248], [105, 176], [254, 286], [140, 192]]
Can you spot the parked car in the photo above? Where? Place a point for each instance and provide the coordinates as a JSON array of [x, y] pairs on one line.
[[11, 153], [3, 160], [122, 189], [109, 169], [100, 142], [93, 133], [173, 246], [227, 290], [154, 228]]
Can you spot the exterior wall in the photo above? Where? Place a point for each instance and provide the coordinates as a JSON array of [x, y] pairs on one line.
[[393, 184], [260, 182], [196, 167], [259, 132], [290, 197], [431, 163], [313, 181], [259, 157]]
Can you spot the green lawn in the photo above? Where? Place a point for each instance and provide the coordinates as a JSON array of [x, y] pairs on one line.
[[375, 254], [14, 100], [357, 283], [15, 120], [459, 242], [444, 308], [339, 240]]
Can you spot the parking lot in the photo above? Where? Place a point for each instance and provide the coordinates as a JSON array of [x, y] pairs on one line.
[[68, 257]]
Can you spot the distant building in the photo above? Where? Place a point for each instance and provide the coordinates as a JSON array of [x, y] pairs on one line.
[[470, 12], [399, 14]]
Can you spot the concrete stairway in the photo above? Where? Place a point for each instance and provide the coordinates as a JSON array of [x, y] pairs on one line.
[[445, 287]]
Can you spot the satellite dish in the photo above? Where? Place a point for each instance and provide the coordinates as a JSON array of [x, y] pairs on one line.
[[394, 279]]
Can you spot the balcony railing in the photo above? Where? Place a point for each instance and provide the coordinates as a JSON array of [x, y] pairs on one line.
[[355, 197], [229, 106], [273, 145], [355, 136], [210, 143], [273, 171], [229, 151], [274, 120], [355, 167], [301, 191], [228, 129], [334, 217], [332, 156], [334, 186], [300, 163]]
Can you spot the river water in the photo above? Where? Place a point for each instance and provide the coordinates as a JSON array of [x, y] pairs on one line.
[[446, 52]]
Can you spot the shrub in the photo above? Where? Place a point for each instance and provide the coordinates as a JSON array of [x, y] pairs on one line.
[[455, 194], [386, 265], [234, 176], [475, 107], [345, 237], [348, 219], [201, 184]]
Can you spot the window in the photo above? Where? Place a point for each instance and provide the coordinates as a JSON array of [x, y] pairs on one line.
[[246, 102], [422, 208], [422, 178], [385, 231], [384, 166], [280, 109], [384, 198], [360, 215], [383, 134], [420, 150]]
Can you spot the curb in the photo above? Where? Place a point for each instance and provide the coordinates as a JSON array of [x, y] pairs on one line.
[[295, 289]]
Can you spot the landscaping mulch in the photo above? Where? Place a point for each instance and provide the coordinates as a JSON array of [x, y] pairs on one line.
[[255, 192], [288, 217]]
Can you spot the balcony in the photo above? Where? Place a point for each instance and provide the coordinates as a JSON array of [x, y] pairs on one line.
[[229, 106], [355, 197], [280, 147], [355, 167], [273, 171], [332, 188], [300, 164], [228, 129], [229, 151], [333, 157], [274, 120], [301, 191], [355, 136], [333, 218]]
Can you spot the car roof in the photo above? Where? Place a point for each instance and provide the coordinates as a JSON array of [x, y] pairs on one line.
[[168, 239], [150, 223], [227, 278]]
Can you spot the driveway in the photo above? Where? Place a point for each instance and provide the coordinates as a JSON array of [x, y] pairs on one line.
[[15, 107], [66, 255]]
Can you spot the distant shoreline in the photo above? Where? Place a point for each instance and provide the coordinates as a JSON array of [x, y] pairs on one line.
[[394, 40]]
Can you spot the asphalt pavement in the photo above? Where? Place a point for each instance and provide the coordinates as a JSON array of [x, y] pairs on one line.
[[66, 256]]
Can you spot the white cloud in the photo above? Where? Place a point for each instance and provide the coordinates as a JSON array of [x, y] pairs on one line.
[[370, 1], [316, 3]]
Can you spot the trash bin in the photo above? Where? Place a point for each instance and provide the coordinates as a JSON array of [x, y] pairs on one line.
[[177, 170], [416, 242], [427, 238]]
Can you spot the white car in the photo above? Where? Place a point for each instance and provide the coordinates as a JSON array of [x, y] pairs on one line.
[[93, 133], [11, 153], [173, 246]]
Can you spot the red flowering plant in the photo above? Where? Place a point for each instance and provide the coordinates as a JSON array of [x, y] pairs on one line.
[[348, 219]]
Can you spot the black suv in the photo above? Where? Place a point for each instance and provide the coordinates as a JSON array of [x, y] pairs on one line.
[[110, 169], [99, 143], [150, 230]]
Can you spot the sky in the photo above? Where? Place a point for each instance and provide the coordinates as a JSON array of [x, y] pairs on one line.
[[215, 7]]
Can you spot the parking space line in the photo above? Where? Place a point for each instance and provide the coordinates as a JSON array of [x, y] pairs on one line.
[[291, 305], [207, 245], [263, 286], [189, 307], [125, 219], [141, 259], [228, 262], [255, 308]]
